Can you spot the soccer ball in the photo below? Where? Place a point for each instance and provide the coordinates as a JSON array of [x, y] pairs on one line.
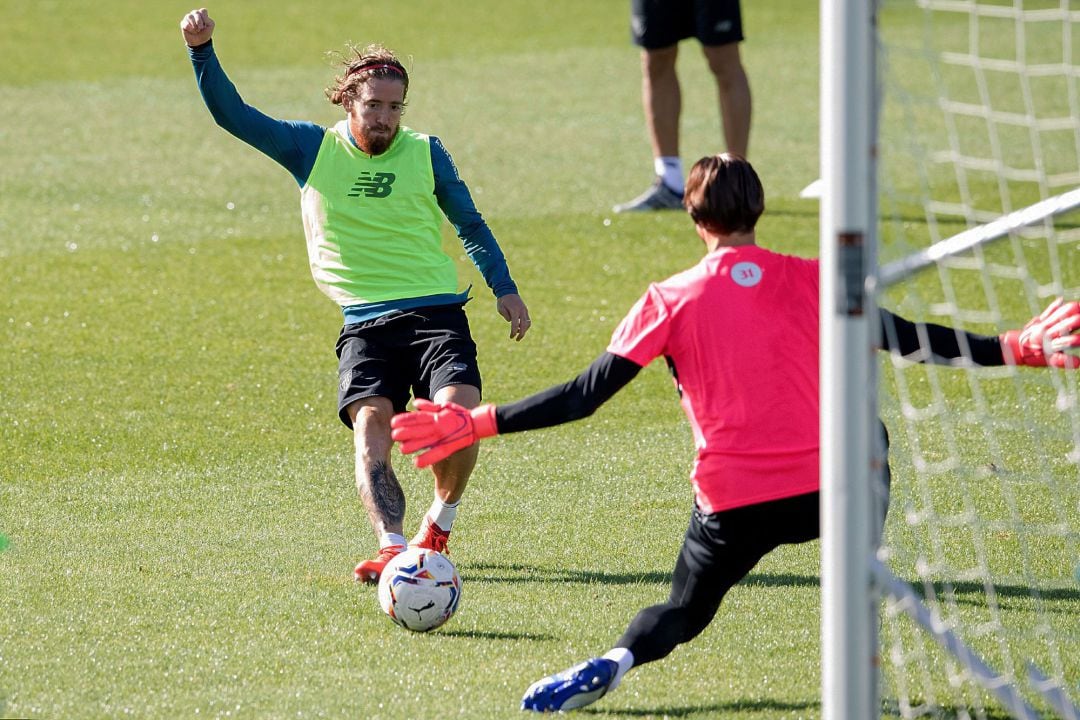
[[419, 589]]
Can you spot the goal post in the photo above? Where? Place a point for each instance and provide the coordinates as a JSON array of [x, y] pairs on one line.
[[950, 193], [848, 252]]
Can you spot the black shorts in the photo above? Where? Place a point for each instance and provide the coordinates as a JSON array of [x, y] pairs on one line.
[[718, 551], [418, 351], [721, 548], [656, 24]]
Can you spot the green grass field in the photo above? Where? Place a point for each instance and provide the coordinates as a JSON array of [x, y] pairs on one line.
[[176, 492]]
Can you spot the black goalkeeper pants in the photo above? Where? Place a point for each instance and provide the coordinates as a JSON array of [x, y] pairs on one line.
[[719, 550]]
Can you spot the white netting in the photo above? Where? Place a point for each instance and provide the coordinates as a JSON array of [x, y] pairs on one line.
[[981, 120]]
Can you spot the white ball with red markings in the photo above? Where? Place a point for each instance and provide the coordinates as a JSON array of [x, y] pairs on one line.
[[419, 589]]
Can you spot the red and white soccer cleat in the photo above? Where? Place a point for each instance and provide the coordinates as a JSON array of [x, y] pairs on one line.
[[431, 536], [370, 570]]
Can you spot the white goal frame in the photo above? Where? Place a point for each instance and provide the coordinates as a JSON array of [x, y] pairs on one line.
[[848, 411], [853, 580]]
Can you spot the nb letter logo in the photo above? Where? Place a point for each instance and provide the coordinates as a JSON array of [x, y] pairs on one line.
[[373, 185]]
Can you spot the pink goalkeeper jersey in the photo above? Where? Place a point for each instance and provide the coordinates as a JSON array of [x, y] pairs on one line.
[[740, 330]]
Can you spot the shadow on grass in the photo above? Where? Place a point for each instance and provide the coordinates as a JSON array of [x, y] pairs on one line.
[[713, 710], [521, 573], [801, 209], [967, 592], [891, 709], [489, 635], [784, 580]]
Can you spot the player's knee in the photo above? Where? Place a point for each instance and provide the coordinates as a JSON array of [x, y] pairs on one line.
[[726, 65], [371, 433], [467, 396], [368, 416], [659, 64]]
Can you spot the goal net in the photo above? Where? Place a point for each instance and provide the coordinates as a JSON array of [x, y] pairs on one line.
[[978, 174]]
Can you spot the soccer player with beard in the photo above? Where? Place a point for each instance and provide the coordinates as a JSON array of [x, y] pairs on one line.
[[739, 331], [373, 194]]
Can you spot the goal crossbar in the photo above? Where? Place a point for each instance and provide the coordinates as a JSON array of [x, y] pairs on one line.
[[896, 271]]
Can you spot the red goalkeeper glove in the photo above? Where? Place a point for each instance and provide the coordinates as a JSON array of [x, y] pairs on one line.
[[441, 430], [1048, 339]]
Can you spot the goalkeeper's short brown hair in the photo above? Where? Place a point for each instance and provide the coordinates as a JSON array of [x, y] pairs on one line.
[[724, 194]]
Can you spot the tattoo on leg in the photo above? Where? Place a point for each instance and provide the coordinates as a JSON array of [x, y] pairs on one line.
[[386, 494]]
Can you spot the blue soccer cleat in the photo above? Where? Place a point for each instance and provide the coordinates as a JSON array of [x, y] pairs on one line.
[[581, 685]]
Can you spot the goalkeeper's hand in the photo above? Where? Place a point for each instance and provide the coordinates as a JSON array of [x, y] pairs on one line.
[[441, 430], [1049, 339]]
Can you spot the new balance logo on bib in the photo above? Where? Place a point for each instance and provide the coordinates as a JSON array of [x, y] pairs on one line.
[[373, 185]]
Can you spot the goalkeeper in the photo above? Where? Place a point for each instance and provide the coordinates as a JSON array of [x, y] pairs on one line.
[[739, 331]]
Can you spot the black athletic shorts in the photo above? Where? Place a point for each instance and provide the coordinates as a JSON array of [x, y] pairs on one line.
[[656, 24], [718, 551], [419, 351], [721, 548]]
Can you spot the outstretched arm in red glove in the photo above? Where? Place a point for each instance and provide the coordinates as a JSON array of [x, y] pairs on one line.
[[1049, 339], [441, 430]]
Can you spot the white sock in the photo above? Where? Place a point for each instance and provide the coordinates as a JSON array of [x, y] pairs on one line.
[[625, 660], [388, 539], [442, 514], [669, 169]]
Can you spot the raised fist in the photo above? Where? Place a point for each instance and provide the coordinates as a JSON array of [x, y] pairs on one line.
[[197, 27]]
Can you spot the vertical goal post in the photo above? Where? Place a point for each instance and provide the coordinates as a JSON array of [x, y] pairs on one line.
[[981, 225], [848, 410]]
